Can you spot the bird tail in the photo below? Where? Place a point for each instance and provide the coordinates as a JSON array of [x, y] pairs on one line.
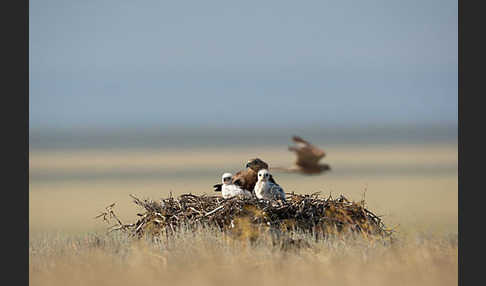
[[217, 187]]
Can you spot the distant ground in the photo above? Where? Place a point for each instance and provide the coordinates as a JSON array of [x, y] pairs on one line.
[[411, 184]]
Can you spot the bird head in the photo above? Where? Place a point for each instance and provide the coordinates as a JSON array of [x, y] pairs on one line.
[[263, 175], [256, 165], [227, 178]]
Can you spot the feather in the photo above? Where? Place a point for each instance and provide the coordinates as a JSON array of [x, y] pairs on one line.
[[217, 187]]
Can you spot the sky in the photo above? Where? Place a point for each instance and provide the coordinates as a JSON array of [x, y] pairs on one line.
[[120, 64]]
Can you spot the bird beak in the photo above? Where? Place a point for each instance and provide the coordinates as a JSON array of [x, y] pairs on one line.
[[247, 165]]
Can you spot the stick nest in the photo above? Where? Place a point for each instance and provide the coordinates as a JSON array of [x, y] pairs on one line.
[[248, 217]]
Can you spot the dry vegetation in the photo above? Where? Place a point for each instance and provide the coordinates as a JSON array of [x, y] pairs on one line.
[[184, 240], [249, 217], [209, 257], [68, 247]]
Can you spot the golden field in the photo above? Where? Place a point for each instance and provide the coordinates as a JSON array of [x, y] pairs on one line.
[[414, 187]]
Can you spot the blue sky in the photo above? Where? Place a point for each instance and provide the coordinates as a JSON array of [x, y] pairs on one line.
[[242, 63]]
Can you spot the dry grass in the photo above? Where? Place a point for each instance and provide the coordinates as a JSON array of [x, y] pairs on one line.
[[210, 258], [69, 247]]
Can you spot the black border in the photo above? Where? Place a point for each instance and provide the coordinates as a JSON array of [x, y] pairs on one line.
[[471, 189], [15, 193]]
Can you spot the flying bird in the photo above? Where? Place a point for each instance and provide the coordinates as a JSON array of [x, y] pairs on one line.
[[230, 190], [265, 189], [308, 157], [247, 179]]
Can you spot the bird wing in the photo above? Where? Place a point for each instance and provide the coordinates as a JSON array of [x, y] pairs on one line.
[[272, 180], [245, 179], [298, 139], [308, 155], [277, 192], [233, 190], [239, 178]]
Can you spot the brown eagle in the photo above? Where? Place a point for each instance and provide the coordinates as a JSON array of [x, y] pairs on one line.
[[247, 179], [308, 157]]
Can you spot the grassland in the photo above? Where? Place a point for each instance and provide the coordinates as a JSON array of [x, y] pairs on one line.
[[413, 186]]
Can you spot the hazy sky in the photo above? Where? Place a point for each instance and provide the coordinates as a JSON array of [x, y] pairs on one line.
[[242, 63]]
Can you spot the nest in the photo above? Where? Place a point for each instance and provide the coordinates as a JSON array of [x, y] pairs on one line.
[[247, 217]]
